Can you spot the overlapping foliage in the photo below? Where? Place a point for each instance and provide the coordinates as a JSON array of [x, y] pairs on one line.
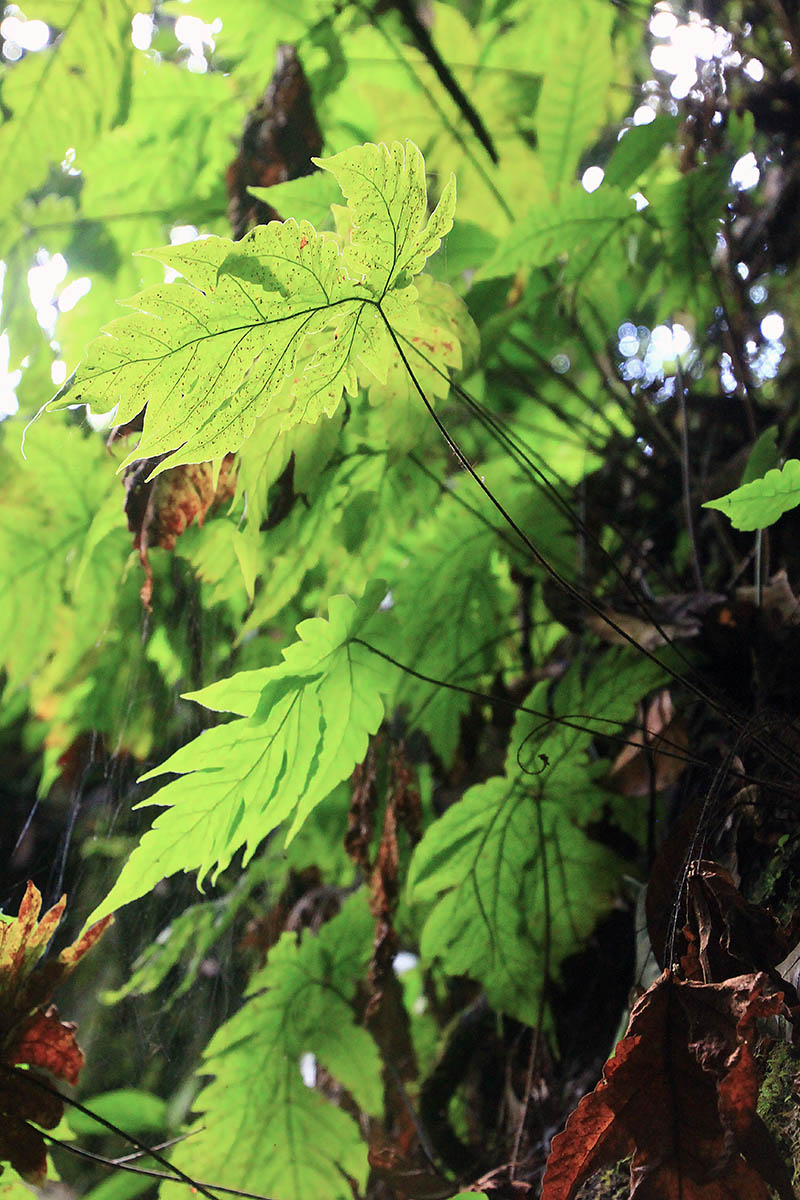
[[417, 505]]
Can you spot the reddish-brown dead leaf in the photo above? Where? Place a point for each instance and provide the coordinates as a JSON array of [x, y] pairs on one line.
[[159, 510], [31, 1034], [280, 137], [731, 935], [47, 1042], [643, 766], [679, 1095]]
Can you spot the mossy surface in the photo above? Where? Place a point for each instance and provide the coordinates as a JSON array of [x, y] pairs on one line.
[[612, 1183], [779, 1101]]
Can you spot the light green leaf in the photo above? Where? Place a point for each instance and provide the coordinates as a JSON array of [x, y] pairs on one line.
[[310, 197], [385, 190], [50, 504], [274, 319], [251, 32], [248, 559], [131, 1109], [304, 733], [267, 451], [577, 220], [12, 1187], [432, 335], [514, 881], [39, 125], [639, 149], [758, 504], [763, 457], [261, 1127], [132, 175], [573, 98]]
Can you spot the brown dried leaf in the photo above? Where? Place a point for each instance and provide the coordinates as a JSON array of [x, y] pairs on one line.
[[679, 1095], [639, 767], [279, 139], [31, 1033], [732, 935], [159, 510]]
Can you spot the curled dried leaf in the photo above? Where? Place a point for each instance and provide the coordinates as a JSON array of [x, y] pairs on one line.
[[679, 1095], [32, 1036]]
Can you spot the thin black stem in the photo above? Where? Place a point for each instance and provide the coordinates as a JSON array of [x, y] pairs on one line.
[[739, 722], [686, 482], [177, 1174], [546, 718], [465, 145], [422, 37], [537, 555], [121, 1164]]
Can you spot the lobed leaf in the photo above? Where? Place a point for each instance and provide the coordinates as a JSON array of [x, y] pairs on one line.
[[761, 502], [516, 889], [385, 190], [572, 101], [276, 319], [262, 1128], [577, 220], [304, 726], [38, 126], [514, 881]]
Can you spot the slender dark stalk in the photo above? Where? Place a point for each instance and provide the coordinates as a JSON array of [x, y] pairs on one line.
[[121, 1164], [421, 35], [686, 482], [177, 1174]]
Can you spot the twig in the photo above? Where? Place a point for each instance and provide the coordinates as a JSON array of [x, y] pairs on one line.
[[685, 477]]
